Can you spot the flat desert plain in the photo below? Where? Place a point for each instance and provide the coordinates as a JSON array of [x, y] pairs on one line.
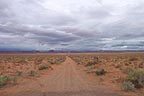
[[72, 74]]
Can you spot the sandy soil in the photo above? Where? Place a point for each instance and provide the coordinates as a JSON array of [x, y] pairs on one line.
[[67, 79]]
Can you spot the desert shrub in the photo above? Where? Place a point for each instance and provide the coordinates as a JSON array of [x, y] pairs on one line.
[[101, 79], [21, 61], [117, 66], [127, 70], [19, 73], [56, 59], [3, 80], [100, 72], [133, 59], [136, 77], [32, 73], [128, 86], [91, 63], [14, 80], [90, 67], [141, 65], [43, 66]]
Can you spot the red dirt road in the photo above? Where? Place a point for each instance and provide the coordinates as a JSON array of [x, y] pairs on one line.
[[67, 79]]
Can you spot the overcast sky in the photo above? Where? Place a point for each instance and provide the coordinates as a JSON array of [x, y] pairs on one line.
[[72, 24]]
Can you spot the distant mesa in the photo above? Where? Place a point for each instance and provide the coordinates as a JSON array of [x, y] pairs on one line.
[[51, 51]]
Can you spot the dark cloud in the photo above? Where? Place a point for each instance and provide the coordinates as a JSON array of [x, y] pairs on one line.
[[67, 24]]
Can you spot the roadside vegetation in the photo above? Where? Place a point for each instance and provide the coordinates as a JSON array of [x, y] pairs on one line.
[[15, 67], [134, 80], [124, 70]]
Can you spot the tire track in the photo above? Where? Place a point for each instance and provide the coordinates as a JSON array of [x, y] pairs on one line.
[[68, 81]]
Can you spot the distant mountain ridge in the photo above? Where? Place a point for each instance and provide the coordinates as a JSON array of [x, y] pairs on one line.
[[62, 51]]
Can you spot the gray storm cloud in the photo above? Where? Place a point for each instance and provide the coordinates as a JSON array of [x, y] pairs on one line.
[[72, 24]]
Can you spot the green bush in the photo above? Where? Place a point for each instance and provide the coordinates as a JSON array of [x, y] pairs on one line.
[[128, 86], [136, 77], [3, 80], [100, 72]]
